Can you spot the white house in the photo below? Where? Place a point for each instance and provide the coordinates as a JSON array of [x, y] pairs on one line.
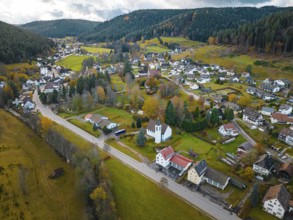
[[28, 104], [286, 135], [267, 111], [168, 158], [276, 201], [49, 88], [203, 80], [160, 132], [100, 121], [264, 165], [253, 117], [285, 109], [228, 130], [194, 86]]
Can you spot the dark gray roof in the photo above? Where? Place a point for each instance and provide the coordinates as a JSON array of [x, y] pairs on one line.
[[201, 167], [251, 113], [104, 123], [265, 161], [246, 146], [278, 192], [216, 176], [268, 109], [152, 123]]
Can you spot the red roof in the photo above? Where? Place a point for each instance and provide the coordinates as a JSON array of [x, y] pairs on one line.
[[229, 126], [167, 151], [88, 116], [282, 117], [180, 160]]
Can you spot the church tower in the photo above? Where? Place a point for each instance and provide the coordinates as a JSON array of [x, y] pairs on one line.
[[158, 132]]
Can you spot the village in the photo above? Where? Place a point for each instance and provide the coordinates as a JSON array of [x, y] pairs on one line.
[[214, 130]]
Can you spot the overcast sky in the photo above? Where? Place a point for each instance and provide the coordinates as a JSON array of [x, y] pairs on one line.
[[23, 11]]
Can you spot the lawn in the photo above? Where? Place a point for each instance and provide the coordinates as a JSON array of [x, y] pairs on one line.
[[117, 82], [259, 214], [96, 50], [119, 116], [156, 49], [26, 190], [86, 126], [139, 198], [227, 57], [124, 150], [72, 62]]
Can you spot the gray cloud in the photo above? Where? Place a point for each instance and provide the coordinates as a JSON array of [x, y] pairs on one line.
[[16, 12]]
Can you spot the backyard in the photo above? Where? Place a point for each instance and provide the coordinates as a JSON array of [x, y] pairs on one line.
[[72, 62]]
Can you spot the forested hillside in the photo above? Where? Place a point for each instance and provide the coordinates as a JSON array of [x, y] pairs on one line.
[[19, 45], [196, 24], [60, 28], [272, 34]]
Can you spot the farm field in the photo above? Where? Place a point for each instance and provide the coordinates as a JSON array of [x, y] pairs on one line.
[[96, 50], [117, 82], [226, 57], [147, 201], [72, 62], [26, 190], [156, 49]]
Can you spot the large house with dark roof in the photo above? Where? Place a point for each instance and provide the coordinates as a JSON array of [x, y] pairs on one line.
[[286, 171], [264, 165], [244, 148], [286, 135], [253, 117], [200, 173], [100, 121], [159, 131], [168, 158], [276, 201]]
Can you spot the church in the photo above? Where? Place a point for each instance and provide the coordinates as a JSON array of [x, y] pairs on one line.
[[159, 131]]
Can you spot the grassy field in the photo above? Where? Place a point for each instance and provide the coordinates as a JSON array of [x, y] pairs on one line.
[[96, 50], [147, 201], [117, 82], [278, 67], [259, 214], [139, 198], [156, 49], [73, 62], [88, 127], [26, 190]]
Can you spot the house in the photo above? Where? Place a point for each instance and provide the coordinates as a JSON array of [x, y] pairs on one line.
[[267, 111], [168, 158], [159, 131], [253, 117], [228, 130], [285, 109], [203, 80], [142, 73], [232, 105], [286, 171], [276, 200], [251, 90], [197, 171], [154, 73], [200, 173], [108, 124], [235, 79], [280, 118], [194, 86], [245, 75], [244, 148], [286, 135], [27, 103], [285, 83], [264, 165], [49, 87], [269, 87], [100, 121]]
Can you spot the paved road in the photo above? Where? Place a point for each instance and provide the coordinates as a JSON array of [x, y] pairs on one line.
[[245, 135], [193, 198]]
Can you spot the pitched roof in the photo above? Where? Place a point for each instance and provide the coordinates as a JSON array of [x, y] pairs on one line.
[[152, 123], [286, 132], [180, 160], [104, 123], [282, 117], [167, 152], [246, 146], [267, 109], [265, 161], [280, 193], [229, 126], [216, 176], [288, 168], [97, 118], [88, 116], [251, 113], [200, 167]]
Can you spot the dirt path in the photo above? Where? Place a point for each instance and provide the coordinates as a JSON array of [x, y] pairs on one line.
[[141, 157]]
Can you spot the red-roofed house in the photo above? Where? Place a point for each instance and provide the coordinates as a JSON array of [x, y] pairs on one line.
[[228, 130], [167, 157]]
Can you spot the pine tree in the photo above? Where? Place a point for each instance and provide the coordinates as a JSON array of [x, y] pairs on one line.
[[71, 91], [170, 114], [128, 69], [196, 113], [254, 195], [140, 140], [63, 92], [133, 124], [138, 122], [54, 98]]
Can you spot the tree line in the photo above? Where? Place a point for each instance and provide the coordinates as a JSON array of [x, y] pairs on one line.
[[19, 45]]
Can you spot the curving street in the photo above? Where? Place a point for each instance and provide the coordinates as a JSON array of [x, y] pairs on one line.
[[194, 198]]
